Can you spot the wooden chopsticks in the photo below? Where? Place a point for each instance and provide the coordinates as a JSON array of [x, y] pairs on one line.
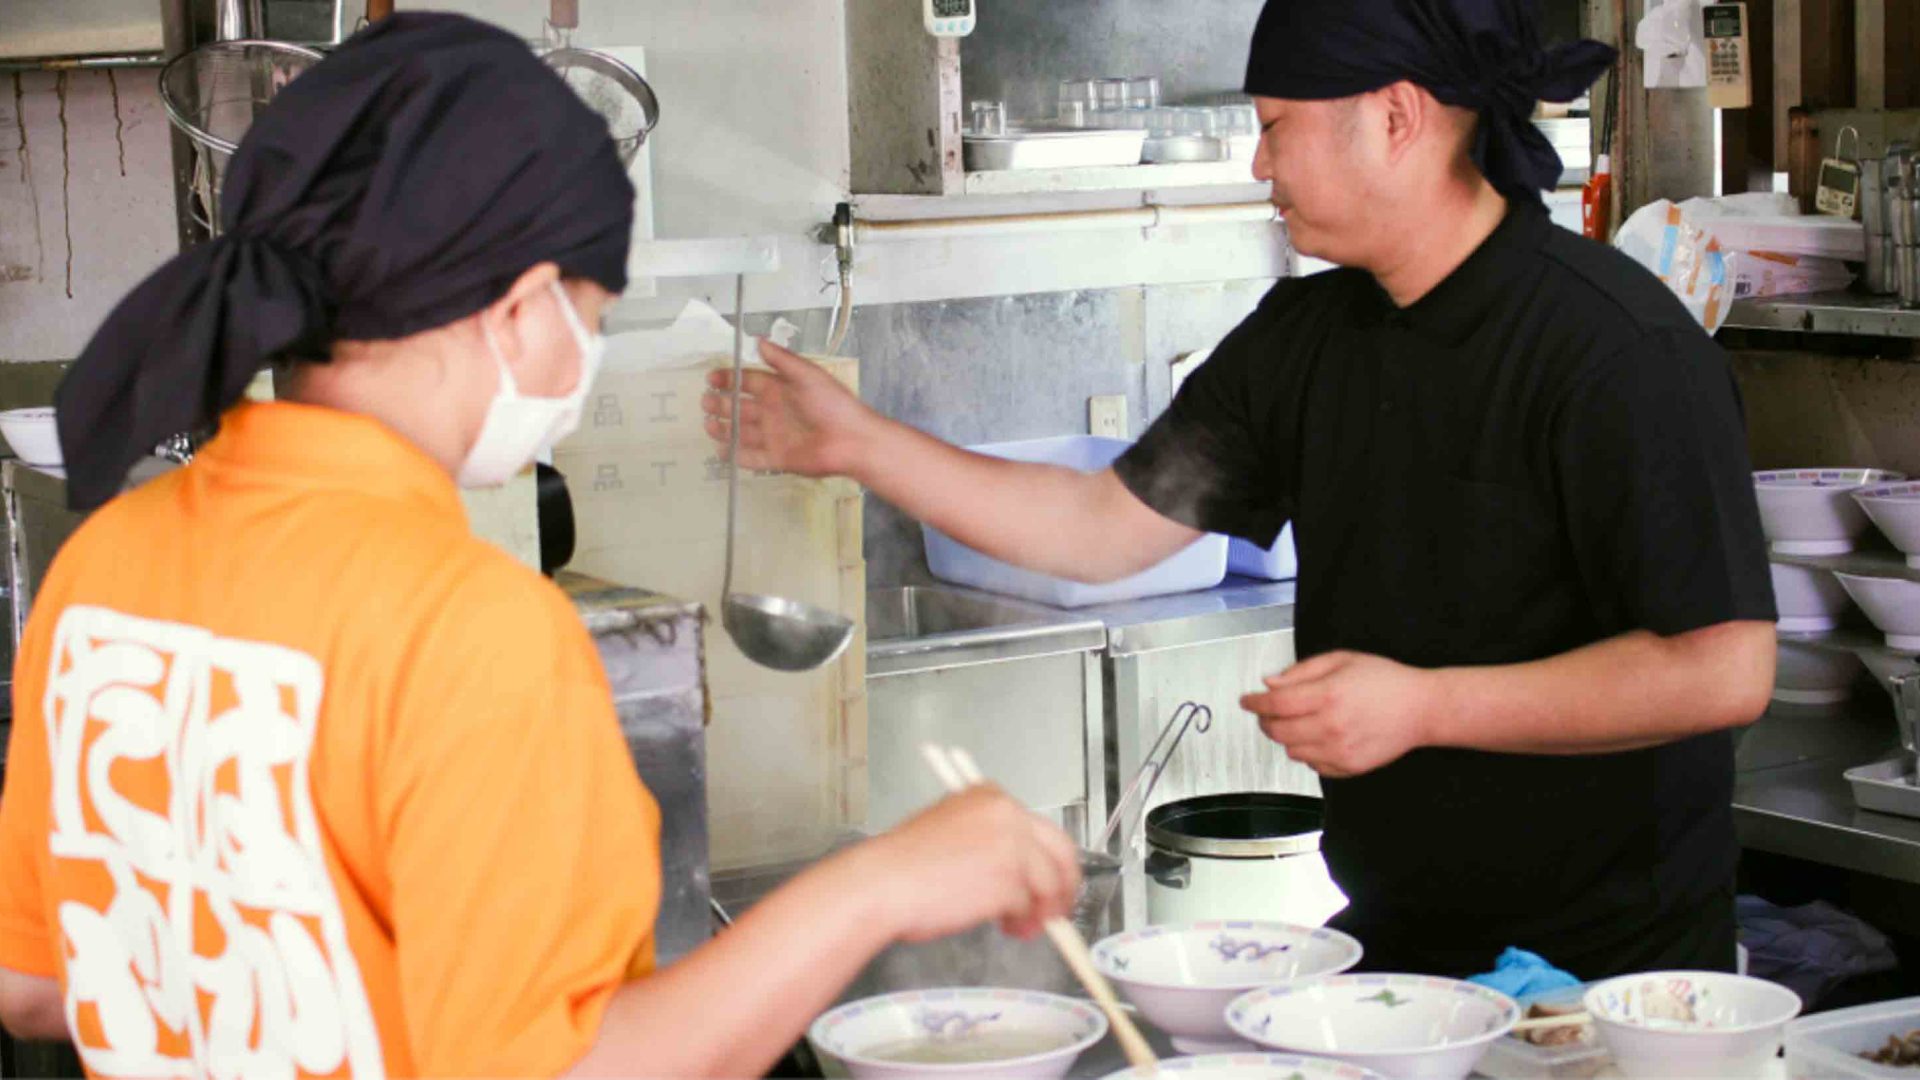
[[958, 771]]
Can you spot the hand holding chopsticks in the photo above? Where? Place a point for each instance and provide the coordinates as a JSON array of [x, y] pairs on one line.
[[958, 772]]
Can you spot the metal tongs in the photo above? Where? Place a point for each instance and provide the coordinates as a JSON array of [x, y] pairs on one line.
[[1140, 788]]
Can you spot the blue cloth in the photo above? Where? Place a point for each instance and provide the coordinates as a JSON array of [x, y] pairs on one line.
[[1519, 974]]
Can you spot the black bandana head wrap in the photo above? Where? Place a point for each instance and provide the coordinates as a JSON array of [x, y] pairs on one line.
[[399, 185], [1483, 55]]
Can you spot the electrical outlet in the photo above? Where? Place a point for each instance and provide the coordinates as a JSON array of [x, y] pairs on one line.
[[1107, 415]]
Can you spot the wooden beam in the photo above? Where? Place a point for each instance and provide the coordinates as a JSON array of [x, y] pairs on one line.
[[1786, 74], [1746, 147], [1869, 57], [1900, 58], [1826, 57]]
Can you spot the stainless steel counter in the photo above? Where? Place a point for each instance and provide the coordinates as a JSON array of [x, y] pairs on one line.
[[1242, 607], [1790, 797]]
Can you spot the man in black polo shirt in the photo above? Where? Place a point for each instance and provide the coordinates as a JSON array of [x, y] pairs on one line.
[[1534, 597]]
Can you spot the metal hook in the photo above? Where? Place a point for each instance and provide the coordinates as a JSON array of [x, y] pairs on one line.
[[1838, 141]]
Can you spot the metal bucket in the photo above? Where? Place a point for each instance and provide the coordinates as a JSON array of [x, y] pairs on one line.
[[1251, 856], [1879, 277]]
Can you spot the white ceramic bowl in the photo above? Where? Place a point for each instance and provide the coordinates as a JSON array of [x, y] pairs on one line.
[[1692, 1023], [1810, 601], [1892, 603], [1021, 1034], [1184, 977], [1252, 1067], [33, 435], [1809, 675], [1410, 1027], [1895, 508], [1811, 511]]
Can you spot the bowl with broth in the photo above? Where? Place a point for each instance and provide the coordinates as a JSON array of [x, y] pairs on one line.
[[1251, 1066], [1017, 1034]]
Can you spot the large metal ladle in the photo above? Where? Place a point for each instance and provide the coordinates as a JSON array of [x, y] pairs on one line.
[[772, 631]]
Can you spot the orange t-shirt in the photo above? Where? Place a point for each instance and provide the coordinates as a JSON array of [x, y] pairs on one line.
[[306, 779]]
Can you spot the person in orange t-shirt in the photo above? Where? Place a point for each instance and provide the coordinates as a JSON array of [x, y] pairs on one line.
[[306, 779]]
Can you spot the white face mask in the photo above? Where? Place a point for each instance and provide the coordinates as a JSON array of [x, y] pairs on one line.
[[519, 428]]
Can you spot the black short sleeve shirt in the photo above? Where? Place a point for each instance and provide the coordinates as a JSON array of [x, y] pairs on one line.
[[1543, 452]]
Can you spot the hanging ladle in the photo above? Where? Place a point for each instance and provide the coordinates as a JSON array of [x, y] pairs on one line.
[[772, 631]]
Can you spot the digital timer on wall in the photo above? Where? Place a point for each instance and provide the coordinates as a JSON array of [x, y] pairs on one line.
[[949, 18]]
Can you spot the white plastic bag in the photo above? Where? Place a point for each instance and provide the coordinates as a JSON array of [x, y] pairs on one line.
[[1659, 237], [1674, 38], [1686, 246]]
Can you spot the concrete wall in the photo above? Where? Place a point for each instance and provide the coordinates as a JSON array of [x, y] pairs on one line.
[[1811, 409], [86, 206], [1023, 367]]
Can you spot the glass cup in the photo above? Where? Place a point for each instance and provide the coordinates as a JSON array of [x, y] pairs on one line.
[[1143, 92], [1082, 92], [1115, 94], [989, 118]]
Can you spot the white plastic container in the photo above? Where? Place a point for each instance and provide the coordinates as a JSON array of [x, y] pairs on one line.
[[1278, 563], [1514, 1058], [1828, 1046], [1201, 566]]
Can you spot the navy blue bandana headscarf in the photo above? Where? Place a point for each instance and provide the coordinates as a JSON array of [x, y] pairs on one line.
[[401, 184], [1483, 55]]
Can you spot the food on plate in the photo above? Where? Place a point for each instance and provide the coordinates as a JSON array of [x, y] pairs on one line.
[[1569, 1034], [1900, 1050]]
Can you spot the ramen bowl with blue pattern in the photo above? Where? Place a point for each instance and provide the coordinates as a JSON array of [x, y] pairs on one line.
[[946, 1034], [1251, 1067], [1407, 1027], [1182, 978], [1692, 1023], [1812, 511]]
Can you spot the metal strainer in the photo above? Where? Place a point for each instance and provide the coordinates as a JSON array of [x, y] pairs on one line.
[[212, 95], [606, 83]]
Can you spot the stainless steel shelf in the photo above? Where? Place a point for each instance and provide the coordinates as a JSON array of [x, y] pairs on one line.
[[1807, 811], [1791, 795], [1870, 563], [1828, 313]]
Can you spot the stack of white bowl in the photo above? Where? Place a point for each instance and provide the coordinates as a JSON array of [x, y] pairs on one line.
[[1814, 512], [1892, 603]]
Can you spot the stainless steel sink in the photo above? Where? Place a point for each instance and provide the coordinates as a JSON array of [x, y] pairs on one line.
[[1016, 684], [923, 611], [922, 628]]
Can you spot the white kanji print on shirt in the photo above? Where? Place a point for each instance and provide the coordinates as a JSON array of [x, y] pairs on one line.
[[223, 951]]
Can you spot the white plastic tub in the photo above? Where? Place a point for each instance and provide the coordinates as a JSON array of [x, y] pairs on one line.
[[1278, 563], [1829, 1045], [1201, 566]]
